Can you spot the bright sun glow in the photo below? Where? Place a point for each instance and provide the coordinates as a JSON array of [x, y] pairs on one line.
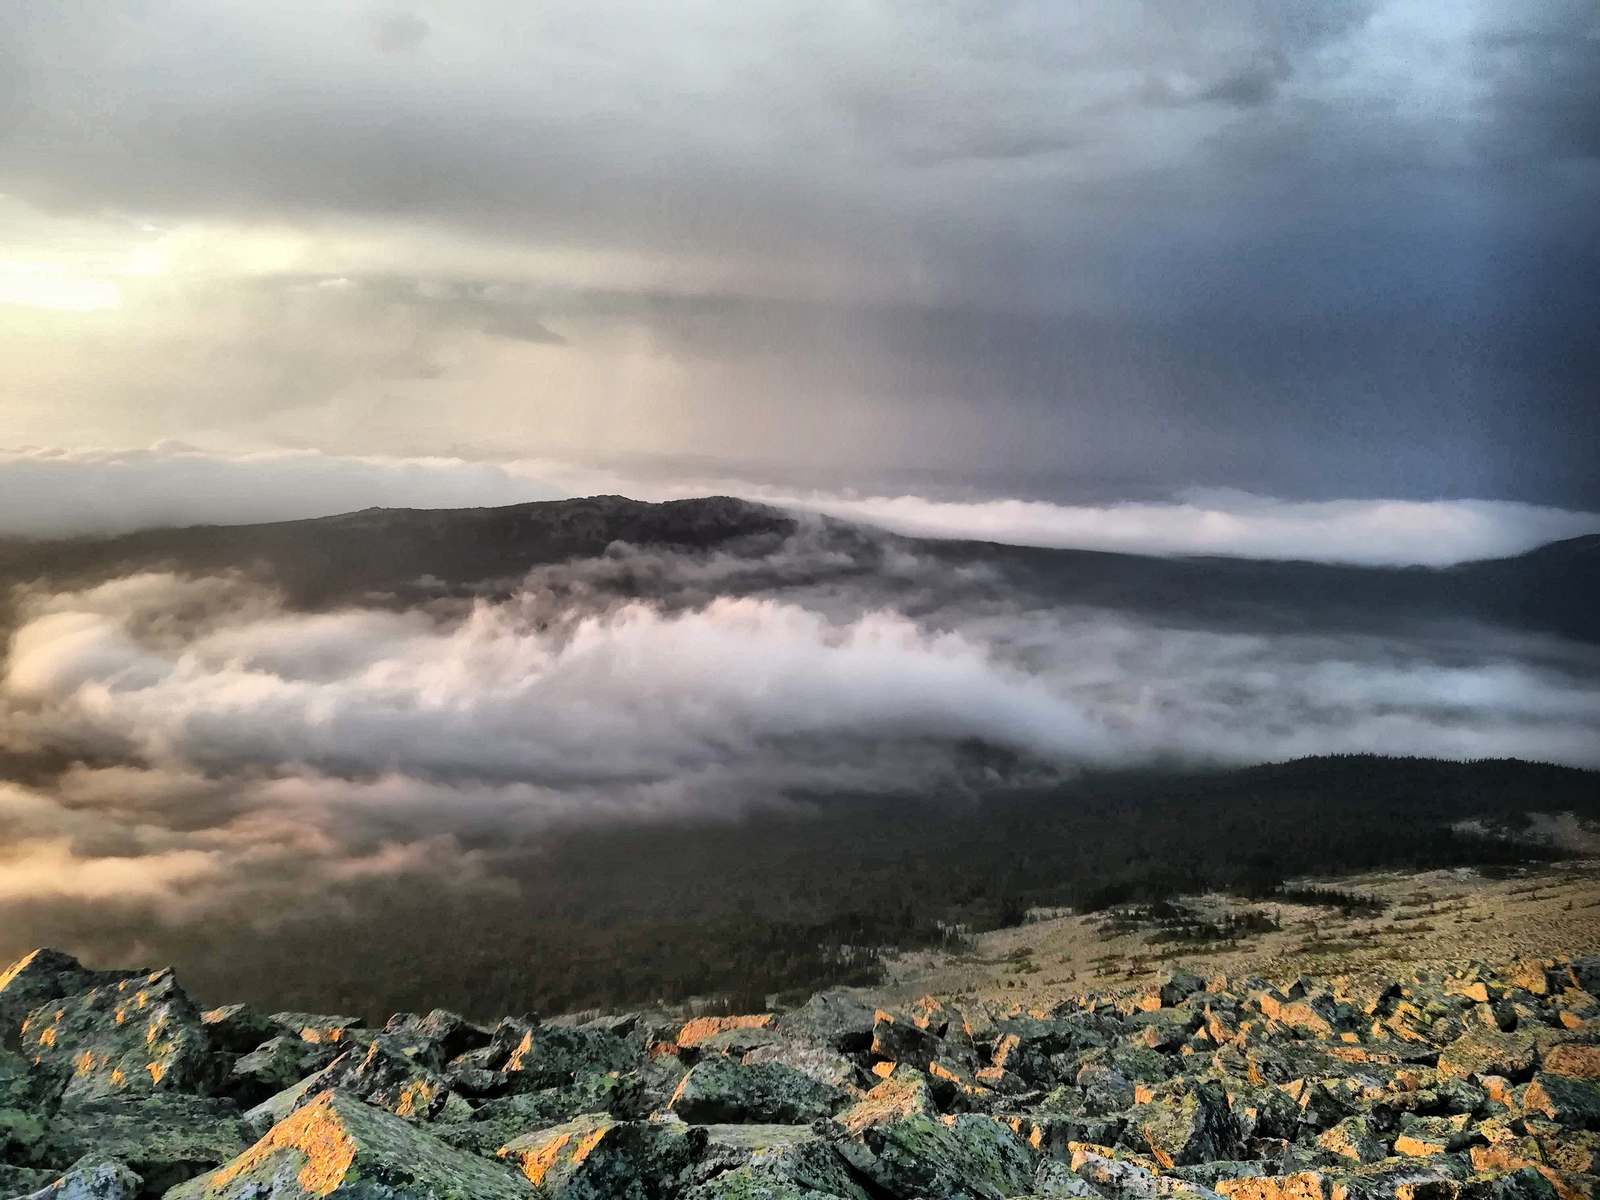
[[50, 285]]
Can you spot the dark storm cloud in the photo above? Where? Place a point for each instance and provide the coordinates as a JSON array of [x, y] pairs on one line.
[[1314, 248]]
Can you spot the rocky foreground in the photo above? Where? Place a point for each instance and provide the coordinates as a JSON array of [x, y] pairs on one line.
[[1473, 1083]]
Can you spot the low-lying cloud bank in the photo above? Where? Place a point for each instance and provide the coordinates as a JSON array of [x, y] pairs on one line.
[[56, 494], [1363, 532], [235, 746]]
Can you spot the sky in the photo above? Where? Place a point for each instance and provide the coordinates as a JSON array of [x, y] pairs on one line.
[[1009, 251]]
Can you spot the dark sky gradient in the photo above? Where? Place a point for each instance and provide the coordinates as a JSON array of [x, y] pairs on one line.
[[1018, 247]]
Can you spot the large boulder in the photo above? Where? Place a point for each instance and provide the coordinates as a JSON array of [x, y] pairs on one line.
[[1574, 1103], [506, 1118], [701, 1032], [905, 1093], [164, 1137], [1489, 1052], [805, 1170], [139, 1035], [339, 1144], [38, 978], [723, 1091], [386, 1075], [597, 1158], [108, 1180], [898, 1039], [822, 1063], [970, 1158], [841, 1020], [238, 1028], [1186, 1124], [1355, 1138], [450, 1033], [553, 1056], [275, 1064]]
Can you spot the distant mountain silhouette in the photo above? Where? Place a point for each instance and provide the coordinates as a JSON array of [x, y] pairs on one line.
[[384, 552]]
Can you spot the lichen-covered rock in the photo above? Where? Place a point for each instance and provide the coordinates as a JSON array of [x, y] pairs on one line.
[[1424, 1137], [904, 1093], [840, 1020], [822, 1063], [1118, 1179], [694, 1033], [805, 1170], [1187, 1124], [898, 1039], [316, 1027], [722, 1091], [1573, 1060], [138, 1035], [1489, 1052], [1525, 1183], [19, 1181], [1056, 1180], [969, 1158], [238, 1028], [450, 1033], [1355, 1138], [37, 978], [164, 1137], [338, 1144], [1571, 1102], [739, 1042], [275, 1064], [386, 1075], [505, 1118], [92, 1181], [553, 1056], [597, 1158]]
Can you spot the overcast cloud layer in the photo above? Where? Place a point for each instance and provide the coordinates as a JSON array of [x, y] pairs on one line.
[[1311, 250]]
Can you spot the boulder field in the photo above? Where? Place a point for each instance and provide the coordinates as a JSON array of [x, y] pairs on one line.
[[1479, 1083]]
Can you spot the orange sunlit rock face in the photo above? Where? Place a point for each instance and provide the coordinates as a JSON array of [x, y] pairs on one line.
[[316, 1131], [699, 1029], [1574, 1060], [536, 1155]]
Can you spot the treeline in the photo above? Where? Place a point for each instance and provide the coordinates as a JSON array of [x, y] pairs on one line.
[[793, 902]]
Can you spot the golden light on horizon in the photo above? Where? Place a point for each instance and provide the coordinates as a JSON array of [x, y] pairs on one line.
[[53, 286]]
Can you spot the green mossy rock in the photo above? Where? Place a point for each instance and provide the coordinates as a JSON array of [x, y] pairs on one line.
[[38, 978], [276, 1064], [723, 1091], [840, 1020], [806, 1170], [139, 1035], [238, 1028], [165, 1138], [1187, 1124], [554, 1056], [501, 1120], [971, 1158]]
